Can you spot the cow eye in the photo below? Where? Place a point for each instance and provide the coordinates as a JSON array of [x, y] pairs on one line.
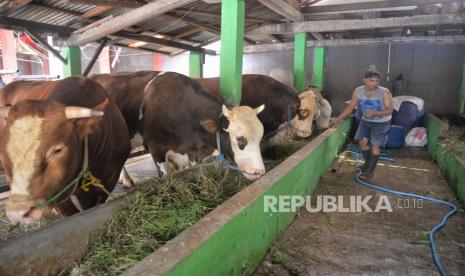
[[57, 150], [241, 142]]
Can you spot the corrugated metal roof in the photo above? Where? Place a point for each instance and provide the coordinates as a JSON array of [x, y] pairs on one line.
[[64, 13]]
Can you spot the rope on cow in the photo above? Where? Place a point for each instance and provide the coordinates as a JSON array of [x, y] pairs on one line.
[[357, 154], [222, 160], [84, 175]]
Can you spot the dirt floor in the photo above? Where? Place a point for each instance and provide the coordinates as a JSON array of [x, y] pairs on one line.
[[384, 243]]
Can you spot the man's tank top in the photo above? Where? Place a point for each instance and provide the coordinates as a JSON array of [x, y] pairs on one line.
[[374, 102]]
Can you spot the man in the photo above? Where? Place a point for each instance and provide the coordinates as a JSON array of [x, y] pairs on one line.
[[375, 103]]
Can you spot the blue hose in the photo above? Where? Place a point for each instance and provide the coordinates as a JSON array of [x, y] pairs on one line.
[[353, 150]]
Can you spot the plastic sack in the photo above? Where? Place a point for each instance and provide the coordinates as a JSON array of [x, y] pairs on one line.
[[416, 137]]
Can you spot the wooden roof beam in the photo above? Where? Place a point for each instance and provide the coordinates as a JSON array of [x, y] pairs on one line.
[[159, 41], [15, 5], [113, 3], [261, 48], [356, 7], [346, 25], [283, 8], [126, 20], [95, 12]]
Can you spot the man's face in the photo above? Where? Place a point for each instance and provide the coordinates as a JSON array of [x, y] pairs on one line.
[[371, 83]]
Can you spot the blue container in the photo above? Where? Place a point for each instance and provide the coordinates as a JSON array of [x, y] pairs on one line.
[[395, 137]]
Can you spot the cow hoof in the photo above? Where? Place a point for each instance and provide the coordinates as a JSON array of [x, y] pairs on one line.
[[127, 184]]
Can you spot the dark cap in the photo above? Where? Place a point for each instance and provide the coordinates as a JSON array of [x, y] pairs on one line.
[[372, 73]]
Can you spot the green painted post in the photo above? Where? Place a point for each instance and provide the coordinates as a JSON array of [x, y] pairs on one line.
[[462, 93], [73, 55], [232, 35], [300, 57], [318, 67], [195, 65]]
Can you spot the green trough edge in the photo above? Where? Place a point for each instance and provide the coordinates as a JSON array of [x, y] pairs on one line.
[[233, 238], [452, 167]]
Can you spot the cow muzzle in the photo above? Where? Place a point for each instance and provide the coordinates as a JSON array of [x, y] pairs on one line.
[[254, 174], [20, 209]]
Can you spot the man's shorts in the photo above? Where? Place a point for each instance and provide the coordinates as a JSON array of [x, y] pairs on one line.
[[375, 132]]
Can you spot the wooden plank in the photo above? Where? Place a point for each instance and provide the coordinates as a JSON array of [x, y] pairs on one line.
[[126, 20], [54, 9], [458, 39], [113, 3], [151, 39], [357, 24], [369, 5], [95, 12], [191, 22], [15, 5], [19, 24], [283, 8]]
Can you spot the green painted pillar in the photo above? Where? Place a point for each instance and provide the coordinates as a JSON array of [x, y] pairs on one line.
[[300, 57], [318, 66], [232, 36], [462, 93], [195, 65], [73, 55]]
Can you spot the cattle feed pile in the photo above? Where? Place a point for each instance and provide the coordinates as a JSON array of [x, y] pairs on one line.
[[454, 142], [160, 209]]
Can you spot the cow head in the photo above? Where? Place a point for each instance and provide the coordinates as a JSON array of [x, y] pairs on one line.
[[42, 150], [302, 122], [241, 132]]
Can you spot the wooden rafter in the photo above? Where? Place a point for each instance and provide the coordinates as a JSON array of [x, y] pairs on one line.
[[370, 5], [346, 25], [113, 3]]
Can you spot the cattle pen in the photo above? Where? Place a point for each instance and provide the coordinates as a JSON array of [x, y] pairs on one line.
[[232, 137]]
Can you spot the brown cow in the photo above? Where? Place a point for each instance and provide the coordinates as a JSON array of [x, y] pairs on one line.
[[42, 145], [179, 115], [283, 105], [127, 90]]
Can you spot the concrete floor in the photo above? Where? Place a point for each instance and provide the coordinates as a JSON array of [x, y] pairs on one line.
[[385, 243]]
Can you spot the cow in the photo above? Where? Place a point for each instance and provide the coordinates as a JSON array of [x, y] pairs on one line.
[[324, 109], [178, 114], [127, 90], [287, 114], [50, 128]]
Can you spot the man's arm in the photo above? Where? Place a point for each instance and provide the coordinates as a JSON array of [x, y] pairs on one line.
[[346, 111]]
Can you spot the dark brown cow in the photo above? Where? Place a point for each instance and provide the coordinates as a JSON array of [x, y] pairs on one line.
[[127, 90], [179, 115], [42, 144], [278, 98]]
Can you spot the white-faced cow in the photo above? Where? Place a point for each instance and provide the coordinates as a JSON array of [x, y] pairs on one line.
[[43, 148], [179, 115], [286, 115], [324, 109]]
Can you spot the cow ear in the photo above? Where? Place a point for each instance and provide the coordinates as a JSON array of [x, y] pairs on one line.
[[260, 109], [301, 95], [209, 125], [88, 125]]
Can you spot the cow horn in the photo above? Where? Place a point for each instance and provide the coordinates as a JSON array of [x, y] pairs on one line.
[[226, 112], [74, 112], [4, 110]]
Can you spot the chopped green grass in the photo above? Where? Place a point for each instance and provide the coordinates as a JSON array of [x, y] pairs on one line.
[[454, 142], [159, 209]]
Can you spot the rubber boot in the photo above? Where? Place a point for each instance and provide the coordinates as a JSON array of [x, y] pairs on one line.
[[368, 172], [366, 156]]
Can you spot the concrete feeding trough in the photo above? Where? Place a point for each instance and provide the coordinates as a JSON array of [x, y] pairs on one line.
[[236, 224]]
